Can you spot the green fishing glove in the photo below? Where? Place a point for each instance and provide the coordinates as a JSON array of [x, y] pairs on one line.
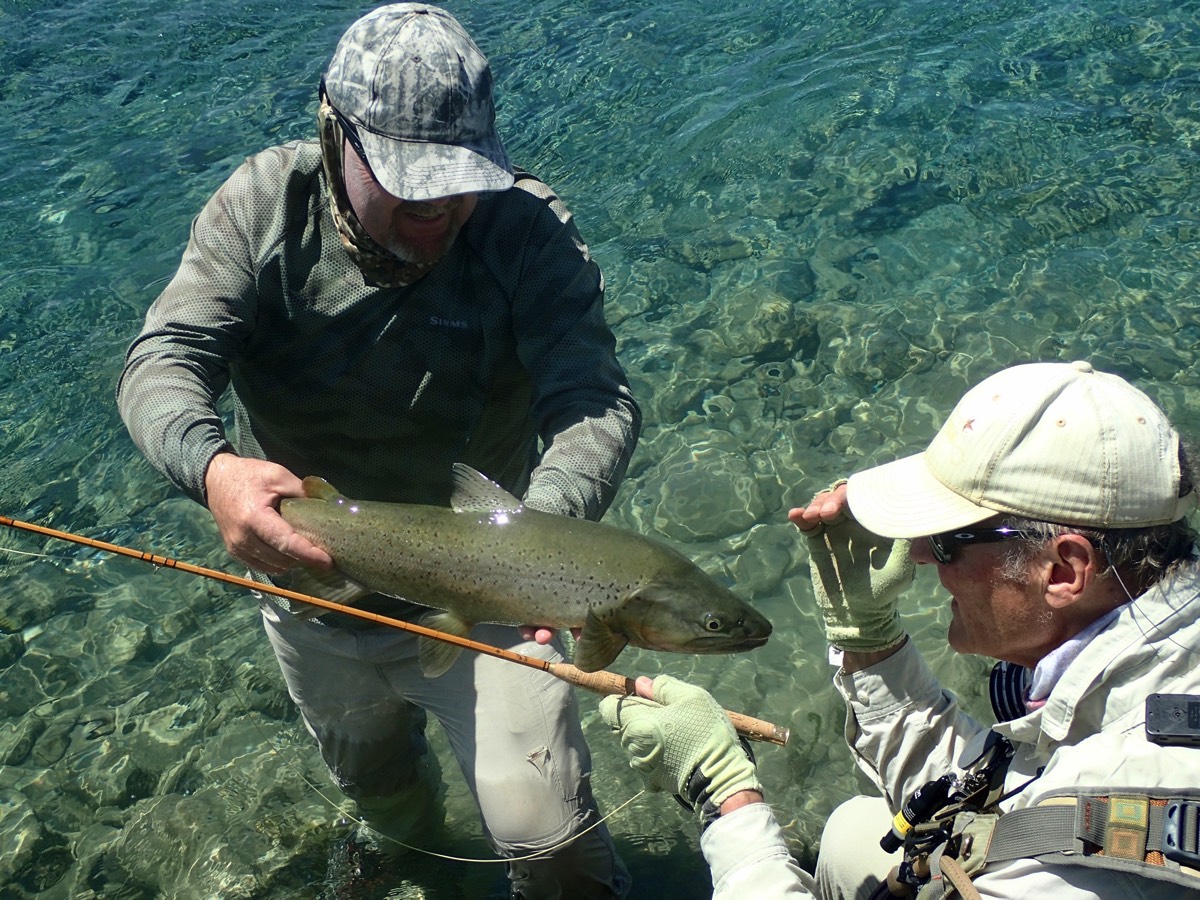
[[683, 743], [857, 577]]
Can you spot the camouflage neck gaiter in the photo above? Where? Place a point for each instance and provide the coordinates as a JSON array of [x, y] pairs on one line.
[[378, 265]]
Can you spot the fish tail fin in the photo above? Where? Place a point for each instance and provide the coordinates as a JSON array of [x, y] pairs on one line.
[[438, 656], [598, 646]]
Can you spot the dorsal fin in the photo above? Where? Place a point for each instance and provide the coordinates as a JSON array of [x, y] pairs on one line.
[[474, 492], [319, 489]]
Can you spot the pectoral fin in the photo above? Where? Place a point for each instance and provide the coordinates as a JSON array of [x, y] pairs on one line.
[[598, 646], [438, 656], [328, 585]]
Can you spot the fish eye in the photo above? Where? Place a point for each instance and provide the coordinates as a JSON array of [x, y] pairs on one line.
[[713, 622]]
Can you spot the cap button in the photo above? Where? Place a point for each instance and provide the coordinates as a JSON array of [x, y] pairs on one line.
[[1082, 366]]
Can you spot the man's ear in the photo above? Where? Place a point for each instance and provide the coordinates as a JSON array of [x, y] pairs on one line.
[[1074, 565]]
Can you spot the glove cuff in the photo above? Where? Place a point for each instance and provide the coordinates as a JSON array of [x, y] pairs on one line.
[[697, 787], [865, 636], [707, 796], [866, 645]]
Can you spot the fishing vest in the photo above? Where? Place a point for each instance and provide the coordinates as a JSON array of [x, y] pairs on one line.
[[1150, 833]]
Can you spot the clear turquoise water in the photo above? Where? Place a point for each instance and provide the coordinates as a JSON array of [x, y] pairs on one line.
[[820, 222]]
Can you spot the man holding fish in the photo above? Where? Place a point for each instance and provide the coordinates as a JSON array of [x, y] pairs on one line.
[[386, 302], [1055, 504]]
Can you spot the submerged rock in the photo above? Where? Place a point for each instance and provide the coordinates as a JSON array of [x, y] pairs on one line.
[[20, 831]]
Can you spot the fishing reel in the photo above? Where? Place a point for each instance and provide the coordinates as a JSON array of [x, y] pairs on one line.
[[926, 820]]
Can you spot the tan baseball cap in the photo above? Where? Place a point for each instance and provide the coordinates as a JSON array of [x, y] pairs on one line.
[[1054, 442]]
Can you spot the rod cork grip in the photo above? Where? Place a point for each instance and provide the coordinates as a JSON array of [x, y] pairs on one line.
[[601, 682], [759, 729]]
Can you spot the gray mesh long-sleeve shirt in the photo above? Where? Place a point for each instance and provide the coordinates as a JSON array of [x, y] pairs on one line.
[[380, 389]]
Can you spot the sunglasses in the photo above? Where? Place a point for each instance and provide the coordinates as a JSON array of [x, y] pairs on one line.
[[943, 545]]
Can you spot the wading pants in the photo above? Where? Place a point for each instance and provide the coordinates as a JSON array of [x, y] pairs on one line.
[[851, 864], [514, 731]]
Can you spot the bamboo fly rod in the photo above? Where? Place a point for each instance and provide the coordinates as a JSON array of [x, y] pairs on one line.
[[599, 682]]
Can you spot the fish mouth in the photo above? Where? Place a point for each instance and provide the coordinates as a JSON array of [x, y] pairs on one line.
[[724, 643]]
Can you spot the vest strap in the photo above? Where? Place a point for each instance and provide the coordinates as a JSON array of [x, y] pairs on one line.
[[1140, 832]]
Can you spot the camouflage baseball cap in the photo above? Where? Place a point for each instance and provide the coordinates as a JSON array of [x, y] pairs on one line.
[[418, 92]]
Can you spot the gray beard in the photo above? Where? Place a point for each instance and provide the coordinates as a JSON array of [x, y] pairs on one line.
[[379, 265], [410, 254]]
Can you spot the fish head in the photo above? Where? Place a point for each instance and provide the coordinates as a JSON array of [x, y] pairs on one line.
[[704, 617]]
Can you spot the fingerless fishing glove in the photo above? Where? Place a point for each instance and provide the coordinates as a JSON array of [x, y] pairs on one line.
[[857, 577], [683, 743]]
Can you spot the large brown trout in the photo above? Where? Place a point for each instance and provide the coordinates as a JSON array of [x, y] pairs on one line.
[[488, 558]]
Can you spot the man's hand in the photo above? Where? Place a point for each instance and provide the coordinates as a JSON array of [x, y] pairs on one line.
[[826, 508], [243, 497], [680, 740], [544, 634], [857, 576]]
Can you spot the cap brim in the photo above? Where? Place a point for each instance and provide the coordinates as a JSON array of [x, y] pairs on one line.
[[902, 499], [420, 170]]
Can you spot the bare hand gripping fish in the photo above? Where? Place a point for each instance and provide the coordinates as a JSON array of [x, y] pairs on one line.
[[488, 558]]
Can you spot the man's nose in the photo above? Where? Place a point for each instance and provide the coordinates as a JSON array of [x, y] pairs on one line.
[[920, 552]]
